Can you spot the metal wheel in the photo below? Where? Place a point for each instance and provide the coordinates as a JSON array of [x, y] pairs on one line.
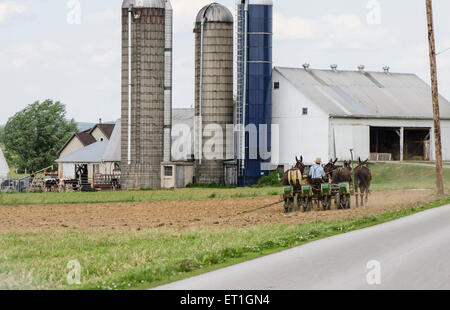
[[287, 206], [349, 202], [337, 201], [326, 203], [343, 202]]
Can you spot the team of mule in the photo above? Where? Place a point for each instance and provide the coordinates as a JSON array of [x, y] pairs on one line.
[[324, 183]]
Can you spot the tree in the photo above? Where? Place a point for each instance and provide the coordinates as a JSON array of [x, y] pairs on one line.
[[34, 135]]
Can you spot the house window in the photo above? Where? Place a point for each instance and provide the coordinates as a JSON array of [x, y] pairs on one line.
[[276, 85], [305, 111], [168, 171], [96, 169]]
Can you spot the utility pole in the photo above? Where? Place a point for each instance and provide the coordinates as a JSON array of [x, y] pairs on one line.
[[435, 94]]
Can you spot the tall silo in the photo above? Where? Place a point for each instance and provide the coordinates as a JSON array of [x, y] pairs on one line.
[[144, 106], [254, 87], [213, 89]]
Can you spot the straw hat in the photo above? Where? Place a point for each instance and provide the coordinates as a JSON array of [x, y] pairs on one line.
[[318, 160]]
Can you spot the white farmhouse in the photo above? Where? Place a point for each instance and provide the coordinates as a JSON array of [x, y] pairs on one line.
[[380, 115], [4, 169]]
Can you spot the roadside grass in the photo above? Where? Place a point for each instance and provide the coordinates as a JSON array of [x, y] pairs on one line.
[[144, 259], [386, 176]]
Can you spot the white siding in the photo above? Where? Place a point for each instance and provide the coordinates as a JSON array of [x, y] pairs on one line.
[[299, 135], [351, 136], [360, 143], [68, 171], [98, 135], [445, 137]]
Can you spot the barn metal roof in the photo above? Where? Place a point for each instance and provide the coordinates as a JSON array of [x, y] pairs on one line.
[[4, 169], [90, 154], [366, 94], [112, 152]]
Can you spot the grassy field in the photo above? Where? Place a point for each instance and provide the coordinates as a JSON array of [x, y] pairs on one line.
[[391, 176], [386, 176], [135, 196], [143, 259]]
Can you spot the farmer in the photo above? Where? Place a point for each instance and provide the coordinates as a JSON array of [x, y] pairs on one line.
[[316, 172]]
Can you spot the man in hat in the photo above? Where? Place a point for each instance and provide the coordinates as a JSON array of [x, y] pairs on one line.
[[316, 172]]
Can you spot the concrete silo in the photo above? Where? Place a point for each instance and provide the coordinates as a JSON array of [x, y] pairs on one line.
[[254, 88], [214, 91], [146, 91]]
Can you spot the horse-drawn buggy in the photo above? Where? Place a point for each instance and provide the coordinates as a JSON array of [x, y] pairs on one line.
[[301, 192]]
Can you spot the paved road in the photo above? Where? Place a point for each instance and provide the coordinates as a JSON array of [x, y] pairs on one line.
[[413, 253]]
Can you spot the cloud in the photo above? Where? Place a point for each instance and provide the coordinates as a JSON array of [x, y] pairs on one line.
[[105, 59], [19, 55], [10, 8], [330, 31], [51, 47], [105, 16], [418, 57]]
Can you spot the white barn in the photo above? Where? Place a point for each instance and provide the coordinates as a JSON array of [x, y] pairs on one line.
[[381, 115], [4, 169]]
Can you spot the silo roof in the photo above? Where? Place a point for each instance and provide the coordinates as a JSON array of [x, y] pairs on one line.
[[215, 12], [257, 2], [366, 94], [144, 3]]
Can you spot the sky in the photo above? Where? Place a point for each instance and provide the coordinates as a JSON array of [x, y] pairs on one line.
[[70, 50]]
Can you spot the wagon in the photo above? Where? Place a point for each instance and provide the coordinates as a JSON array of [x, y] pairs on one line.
[[300, 195]]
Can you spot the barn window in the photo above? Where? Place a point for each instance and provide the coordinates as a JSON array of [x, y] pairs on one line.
[[305, 111], [276, 85], [168, 171]]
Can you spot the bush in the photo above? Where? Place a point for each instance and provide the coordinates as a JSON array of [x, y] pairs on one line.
[[275, 178]]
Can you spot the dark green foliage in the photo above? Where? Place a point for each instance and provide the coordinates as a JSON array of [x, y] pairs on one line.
[[275, 178], [33, 136]]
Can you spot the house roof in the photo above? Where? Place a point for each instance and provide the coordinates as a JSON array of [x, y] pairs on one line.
[[106, 129], [366, 94], [90, 154], [4, 169], [112, 152], [85, 138]]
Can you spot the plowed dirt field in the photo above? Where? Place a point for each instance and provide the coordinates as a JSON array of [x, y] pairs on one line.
[[189, 213]]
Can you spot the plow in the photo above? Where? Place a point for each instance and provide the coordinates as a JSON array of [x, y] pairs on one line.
[[305, 197]]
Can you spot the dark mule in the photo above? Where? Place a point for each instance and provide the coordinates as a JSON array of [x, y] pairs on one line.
[[329, 168], [363, 177], [341, 175], [298, 166]]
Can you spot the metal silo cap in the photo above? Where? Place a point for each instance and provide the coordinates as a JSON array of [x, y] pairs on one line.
[[256, 2], [160, 4], [215, 12]]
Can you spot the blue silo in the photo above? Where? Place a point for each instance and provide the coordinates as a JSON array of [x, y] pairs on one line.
[[254, 86]]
